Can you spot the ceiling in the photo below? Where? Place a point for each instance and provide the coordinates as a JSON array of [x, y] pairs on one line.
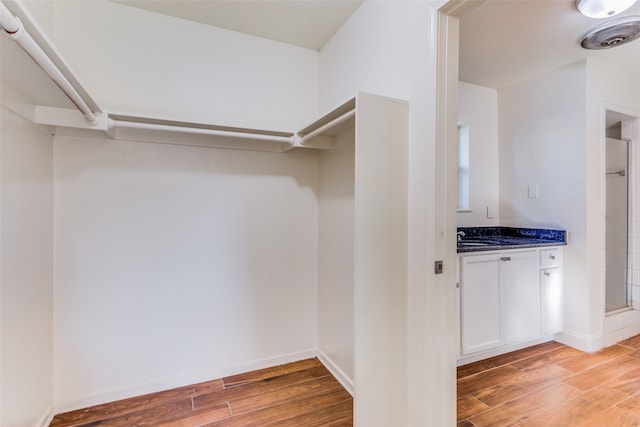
[[305, 23], [504, 41], [500, 41]]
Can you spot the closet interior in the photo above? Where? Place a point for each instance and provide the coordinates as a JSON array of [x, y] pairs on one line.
[[361, 222]]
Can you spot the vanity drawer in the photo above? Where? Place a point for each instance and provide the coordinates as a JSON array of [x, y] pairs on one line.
[[550, 257]]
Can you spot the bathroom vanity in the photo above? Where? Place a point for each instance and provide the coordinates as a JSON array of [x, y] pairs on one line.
[[509, 289]]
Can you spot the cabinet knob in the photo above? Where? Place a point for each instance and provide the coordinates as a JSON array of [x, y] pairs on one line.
[[505, 258], [552, 256], [546, 273]]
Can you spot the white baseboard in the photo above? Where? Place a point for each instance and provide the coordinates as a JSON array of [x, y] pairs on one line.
[[169, 383], [463, 360], [46, 419], [342, 378], [620, 326], [588, 344]]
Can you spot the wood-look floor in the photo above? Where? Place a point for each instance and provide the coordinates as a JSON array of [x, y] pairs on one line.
[[553, 385], [546, 385], [297, 394]]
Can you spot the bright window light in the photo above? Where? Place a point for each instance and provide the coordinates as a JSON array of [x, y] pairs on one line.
[[463, 167]]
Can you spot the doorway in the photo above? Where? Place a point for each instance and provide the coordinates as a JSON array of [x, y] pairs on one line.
[[616, 220], [619, 174], [446, 174]]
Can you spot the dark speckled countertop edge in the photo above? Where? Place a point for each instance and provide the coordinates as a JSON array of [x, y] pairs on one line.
[[511, 238]]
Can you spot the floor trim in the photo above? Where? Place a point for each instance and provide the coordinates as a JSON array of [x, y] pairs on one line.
[[169, 383], [339, 375], [486, 354], [46, 418], [588, 344]]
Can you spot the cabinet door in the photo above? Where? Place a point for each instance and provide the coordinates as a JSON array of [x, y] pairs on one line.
[[520, 289], [551, 300], [479, 302], [550, 257]]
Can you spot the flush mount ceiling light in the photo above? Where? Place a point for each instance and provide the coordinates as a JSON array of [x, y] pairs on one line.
[[603, 8], [613, 33]]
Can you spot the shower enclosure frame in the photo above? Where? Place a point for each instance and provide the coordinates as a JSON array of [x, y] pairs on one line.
[[617, 262], [624, 322]]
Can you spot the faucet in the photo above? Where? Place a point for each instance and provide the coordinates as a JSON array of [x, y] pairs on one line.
[[460, 235]]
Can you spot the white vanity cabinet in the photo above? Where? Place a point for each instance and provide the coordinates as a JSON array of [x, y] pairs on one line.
[[479, 303], [551, 290], [508, 297], [521, 295]]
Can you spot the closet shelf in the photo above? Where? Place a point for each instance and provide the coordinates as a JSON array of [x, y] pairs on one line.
[[188, 133], [89, 120], [318, 135]]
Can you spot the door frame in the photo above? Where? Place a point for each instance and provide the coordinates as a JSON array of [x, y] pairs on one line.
[[446, 189]]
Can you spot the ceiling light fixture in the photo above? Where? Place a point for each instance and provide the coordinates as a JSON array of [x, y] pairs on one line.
[[603, 8], [613, 33]]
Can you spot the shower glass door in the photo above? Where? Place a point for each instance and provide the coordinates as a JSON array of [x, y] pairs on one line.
[[617, 153]]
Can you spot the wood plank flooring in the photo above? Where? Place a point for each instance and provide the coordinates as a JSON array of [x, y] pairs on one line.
[[297, 394], [546, 385], [553, 385]]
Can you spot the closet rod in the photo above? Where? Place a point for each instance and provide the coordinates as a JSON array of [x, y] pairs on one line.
[[13, 28], [335, 122], [200, 131]]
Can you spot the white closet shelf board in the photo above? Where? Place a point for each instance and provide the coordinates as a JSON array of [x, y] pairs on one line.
[[199, 134], [321, 133], [70, 122]]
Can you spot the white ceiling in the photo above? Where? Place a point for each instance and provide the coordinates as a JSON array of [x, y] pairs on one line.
[[306, 23], [501, 41], [504, 41]]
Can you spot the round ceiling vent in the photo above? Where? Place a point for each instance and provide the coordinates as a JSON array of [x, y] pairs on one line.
[[613, 33]]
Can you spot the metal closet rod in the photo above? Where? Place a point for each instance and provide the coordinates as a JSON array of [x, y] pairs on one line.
[[12, 27]]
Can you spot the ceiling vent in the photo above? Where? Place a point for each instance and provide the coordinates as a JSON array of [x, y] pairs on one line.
[[613, 33]]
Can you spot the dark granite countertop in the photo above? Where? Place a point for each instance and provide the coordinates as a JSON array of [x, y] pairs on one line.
[[480, 239]]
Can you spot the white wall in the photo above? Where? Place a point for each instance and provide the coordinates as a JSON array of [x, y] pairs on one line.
[[336, 273], [542, 133], [139, 62], [177, 264], [542, 142], [26, 272], [478, 109], [388, 48], [43, 12], [375, 51]]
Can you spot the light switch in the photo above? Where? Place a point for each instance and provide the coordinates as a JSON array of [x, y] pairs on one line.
[[490, 212], [533, 191]]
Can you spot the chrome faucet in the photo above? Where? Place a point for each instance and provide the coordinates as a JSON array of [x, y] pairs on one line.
[[460, 235]]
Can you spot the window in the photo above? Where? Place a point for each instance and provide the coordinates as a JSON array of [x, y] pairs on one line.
[[463, 168]]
